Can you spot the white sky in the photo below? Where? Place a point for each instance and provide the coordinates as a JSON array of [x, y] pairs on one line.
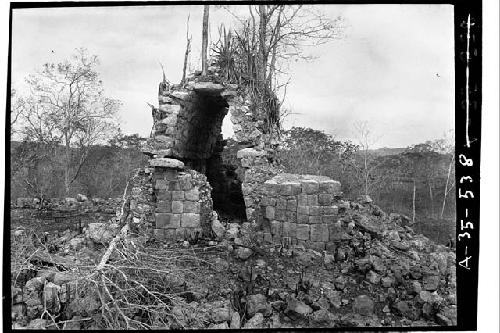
[[394, 68]]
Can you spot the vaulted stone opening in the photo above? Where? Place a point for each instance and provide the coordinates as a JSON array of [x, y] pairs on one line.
[[188, 126]]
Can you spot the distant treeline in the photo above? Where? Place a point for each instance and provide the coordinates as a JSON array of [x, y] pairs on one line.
[[417, 181], [37, 170]]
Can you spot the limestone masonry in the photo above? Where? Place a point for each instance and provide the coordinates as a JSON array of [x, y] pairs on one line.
[[172, 198]]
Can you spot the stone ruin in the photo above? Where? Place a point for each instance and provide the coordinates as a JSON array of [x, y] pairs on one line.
[[174, 198]]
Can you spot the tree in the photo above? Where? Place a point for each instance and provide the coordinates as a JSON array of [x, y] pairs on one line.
[[446, 146], [267, 39], [204, 40], [186, 54], [365, 140], [309, 151], [66, 105]]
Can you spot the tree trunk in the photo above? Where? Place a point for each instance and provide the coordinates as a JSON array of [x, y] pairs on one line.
[[186, 55], [262, 45], [446, 186], [414, 194], [432, 198], [366, 171], [67, 165], [204, 41]]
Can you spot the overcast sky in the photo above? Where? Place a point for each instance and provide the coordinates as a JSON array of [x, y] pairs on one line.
[[394, 68]]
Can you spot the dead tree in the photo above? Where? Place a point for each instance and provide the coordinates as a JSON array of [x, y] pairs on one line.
[[186, 54], [204, 41]]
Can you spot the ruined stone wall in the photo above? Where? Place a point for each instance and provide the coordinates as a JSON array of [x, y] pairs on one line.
[[254, 170], [301, 210], [183, 206], [187, 169]]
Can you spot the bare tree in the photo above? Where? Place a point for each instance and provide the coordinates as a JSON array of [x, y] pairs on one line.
[[186, 54], [204, 41], [447, 146], [365, 141], [66, 104]]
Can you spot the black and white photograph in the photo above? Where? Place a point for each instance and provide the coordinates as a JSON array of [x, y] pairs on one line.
[[272, 166]]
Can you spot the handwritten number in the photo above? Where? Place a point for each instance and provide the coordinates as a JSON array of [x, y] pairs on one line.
[[469, 178], [464, 160], [466, 194], [468, 225]]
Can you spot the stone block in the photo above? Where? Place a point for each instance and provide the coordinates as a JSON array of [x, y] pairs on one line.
[[329, 210], [270, 212], [304, 210], [164, 162], [164, 195], [170, 108], [309, 186], [190, 220], [185, 182], [319, 232], [161, 184], [330, 186], [177, 207], [281, 204], [302, 200], [192, 195], [329, 219], [296, 188], [166, 221], [315, 219], [276, 228], [271, 188], [169, 121], [291, 216], [180, 233], [174, 185], [191, 207], [167, 174], [265, 201], [318, 246], [280, 215], [302, 231], [164, 207], [314, 210], [325, 199], [312, 200], [285, 189], [302, 219], [289, 229], [291, 205], [177, 195]]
